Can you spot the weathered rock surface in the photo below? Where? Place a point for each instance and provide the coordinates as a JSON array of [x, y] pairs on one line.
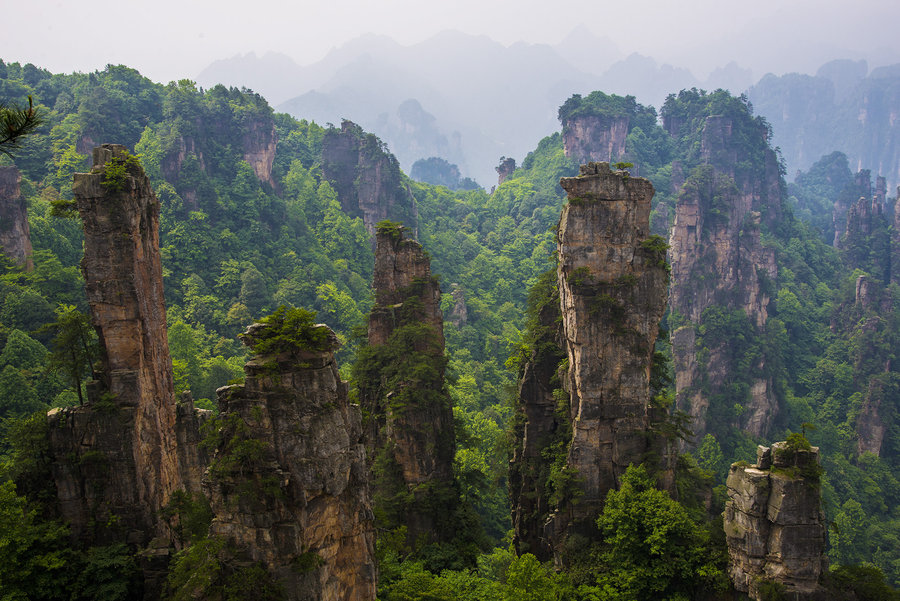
[[612, 282], [410, 429], [595, 138], [718, 260], [540, 422], [258, 144], [367, 178], [288, 482], [123, 281], [774, 523], [15, 235]]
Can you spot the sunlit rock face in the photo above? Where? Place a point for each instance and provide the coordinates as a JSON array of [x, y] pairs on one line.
[[774, 523], [288, 482], [611, 282]]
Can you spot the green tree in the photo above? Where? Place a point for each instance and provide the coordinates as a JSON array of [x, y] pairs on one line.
[[74, 346], [15, 123], [651, 547]]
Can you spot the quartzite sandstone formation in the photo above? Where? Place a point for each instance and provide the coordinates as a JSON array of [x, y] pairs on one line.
[[15, 237], [366, 177], [288, 481], [115, 459], [410, 429], [718, 260], [595, 138], [774, 523], [612, 282]]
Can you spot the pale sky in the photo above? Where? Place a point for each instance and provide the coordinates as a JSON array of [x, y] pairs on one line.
[[168, 39]]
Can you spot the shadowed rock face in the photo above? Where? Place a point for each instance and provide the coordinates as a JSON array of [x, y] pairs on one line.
[[15, 235], [718, 259], [774, 524], [367, 178], [288, 482], [612, 282], [409, 431]]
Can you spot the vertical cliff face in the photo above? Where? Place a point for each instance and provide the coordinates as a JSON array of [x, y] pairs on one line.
[[595, 138], [123, 281], [719, 264], [288, 480], [367, 177], [258, 145], [774, 524], [540, 422], [410, 432], [116, 459], [612, 281], [15, 236]]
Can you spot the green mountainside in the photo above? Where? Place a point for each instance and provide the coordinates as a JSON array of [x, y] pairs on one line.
[[250, 222]]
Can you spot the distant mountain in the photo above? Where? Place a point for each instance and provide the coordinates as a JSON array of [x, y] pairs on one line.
[[464, 98], [842, 107]]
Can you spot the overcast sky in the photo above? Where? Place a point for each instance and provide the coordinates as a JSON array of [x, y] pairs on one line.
[[175, 39]]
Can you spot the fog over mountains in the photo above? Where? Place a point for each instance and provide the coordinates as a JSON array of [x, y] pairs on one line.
[[470, 100]]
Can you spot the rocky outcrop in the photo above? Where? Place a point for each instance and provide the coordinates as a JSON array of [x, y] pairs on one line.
[[720, 263], [288, 479], [541, 422], [258, 143], [123, 281], [774, 523], [15, 235], [595, 138], [410, 430], [115, 459], [367, 178], [612, 280], [505, 169]]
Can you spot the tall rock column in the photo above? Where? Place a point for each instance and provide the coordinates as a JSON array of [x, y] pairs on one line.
[[612, 280], [288, 482], [774, 523], [15, 235], [722, 273], [123, 281], [410, 431]]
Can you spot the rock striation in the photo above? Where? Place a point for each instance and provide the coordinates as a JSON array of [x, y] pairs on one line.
[[367, 178], [288, 482], [611, 282], [774, 523], [410, 434], [15, 235], [115, 459], [720, 263], [594, 137]]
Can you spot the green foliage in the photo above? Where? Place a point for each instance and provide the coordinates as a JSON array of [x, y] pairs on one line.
[[188, 515], [651, 547], [213, 569], [290, 330], [117, 169]]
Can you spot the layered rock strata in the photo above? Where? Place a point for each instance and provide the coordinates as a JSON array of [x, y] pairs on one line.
[[410, 430], [367, 177], [720, 262], [115, 459], [612, 279], [595, 138], [288, 481], [15, 235], [774, 523]]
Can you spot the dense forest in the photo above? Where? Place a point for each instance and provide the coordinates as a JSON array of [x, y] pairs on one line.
[[253, 218]]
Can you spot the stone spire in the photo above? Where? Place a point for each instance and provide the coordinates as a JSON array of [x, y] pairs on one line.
[[15, 236]]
